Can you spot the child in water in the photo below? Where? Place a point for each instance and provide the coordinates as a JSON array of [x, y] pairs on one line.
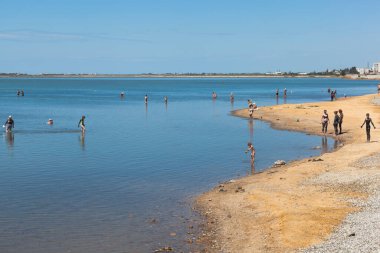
[[81, 124], [368, 122], [252, 150]]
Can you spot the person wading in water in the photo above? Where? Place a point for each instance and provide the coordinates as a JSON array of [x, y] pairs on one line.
[[368, 122]]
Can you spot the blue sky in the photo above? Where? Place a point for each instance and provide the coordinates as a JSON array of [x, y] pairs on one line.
[[159, 36]]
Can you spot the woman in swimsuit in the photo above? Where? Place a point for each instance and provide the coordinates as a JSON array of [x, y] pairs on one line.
[[325, 121]]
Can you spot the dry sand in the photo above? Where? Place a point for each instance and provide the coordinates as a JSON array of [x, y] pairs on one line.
[[301, 204]]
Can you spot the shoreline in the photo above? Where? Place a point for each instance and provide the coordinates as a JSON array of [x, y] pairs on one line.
[[201, 76], [299, 205]]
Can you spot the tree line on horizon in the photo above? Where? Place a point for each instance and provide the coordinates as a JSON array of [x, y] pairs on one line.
[[333, 72]]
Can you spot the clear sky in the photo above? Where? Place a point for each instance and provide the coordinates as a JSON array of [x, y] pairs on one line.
[[159, 36]]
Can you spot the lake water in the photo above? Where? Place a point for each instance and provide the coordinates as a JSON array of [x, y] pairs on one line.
[[127, 184]]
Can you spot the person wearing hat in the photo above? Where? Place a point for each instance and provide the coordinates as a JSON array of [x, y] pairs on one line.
[[9, 124]]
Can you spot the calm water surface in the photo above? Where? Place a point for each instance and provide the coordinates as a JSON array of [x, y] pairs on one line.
[[127, 184]]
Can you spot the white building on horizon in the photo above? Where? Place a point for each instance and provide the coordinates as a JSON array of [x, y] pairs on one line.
[[376, 68], [363, 71]]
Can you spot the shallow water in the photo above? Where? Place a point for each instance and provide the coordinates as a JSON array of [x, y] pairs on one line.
[[127, 183]]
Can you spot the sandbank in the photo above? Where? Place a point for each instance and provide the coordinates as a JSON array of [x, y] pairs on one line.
[[299, 205]]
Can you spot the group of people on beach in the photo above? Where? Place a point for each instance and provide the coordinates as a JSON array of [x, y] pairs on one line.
[[337, 123], [251, 107]]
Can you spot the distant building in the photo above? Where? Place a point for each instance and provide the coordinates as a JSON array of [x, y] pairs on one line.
[[376, 68], [363, 71]]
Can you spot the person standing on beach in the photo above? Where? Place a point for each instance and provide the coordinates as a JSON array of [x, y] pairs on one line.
[[368, 122], [340, 120], [146, 99], [336, 122], [325, 121], [9, 124], [81, 124]]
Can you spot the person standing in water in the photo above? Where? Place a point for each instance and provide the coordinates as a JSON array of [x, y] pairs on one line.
[[285, 91], [252, 150], [81, 124], [336, 122], [277, 93], [232, 97], [368, 122], [9, 124], [340, 120], [325, 121], [146, 99], [166, 99]]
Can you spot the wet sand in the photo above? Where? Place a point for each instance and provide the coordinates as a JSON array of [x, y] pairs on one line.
[[296, 206]]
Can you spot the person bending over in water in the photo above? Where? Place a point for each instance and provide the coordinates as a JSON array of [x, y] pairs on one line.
[[9, 124], [252, 150], [336, 122], [81, 124], [325, 121], [368, 122], [340, 120]]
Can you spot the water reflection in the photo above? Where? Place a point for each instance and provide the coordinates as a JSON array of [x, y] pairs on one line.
[[250, 127], [82, 141], [324, 145], [9, 140]]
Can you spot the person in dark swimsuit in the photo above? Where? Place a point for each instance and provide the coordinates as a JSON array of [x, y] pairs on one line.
[[336, 122], [9, 124], [325, 121], [341, 120], [368, 122], [277, 93], [81, 124]]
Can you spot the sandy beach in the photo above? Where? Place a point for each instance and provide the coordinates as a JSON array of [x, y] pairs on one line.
[[313, 205]]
